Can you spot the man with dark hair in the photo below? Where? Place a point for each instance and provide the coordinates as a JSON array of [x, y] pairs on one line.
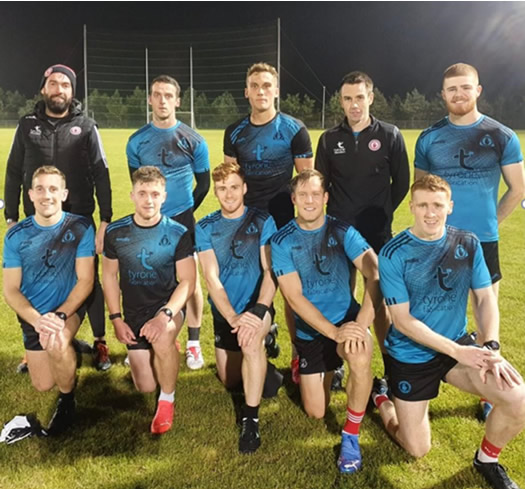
[[426, 273], [311, 257], [48, 274], [58, 133], [365, 164], [268, 145], [472, 151], [152, 255], [234, 252], [182, 156]]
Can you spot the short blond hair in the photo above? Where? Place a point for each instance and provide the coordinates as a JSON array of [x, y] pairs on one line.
[[261, 68], [460, 69], [148, 174], [48, 170], [224, 170]]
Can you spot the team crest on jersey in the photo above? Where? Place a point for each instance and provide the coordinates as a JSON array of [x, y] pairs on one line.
[[487, 141], [460, 253], [278, 136], [183, 144], [252, 229], [332, 242], [75, 130], [36, 131], [374, 145], [165, 241], [340, 149], [68, 237]]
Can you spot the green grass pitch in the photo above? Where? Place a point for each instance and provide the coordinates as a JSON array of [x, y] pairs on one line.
[[111, 447]]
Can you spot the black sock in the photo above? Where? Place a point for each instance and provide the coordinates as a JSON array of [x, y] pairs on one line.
[[68, 397], [250, 411], [193, 334]]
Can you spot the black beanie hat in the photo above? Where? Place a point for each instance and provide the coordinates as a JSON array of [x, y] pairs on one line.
[[66, 70]]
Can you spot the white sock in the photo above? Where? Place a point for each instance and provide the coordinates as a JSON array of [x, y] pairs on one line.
[[191, 343], [486, 459], [167, 397]]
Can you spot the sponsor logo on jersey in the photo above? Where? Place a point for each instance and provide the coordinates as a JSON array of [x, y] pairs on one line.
[[75, 130], [441, 276], [340, 149], [36, 131], [318, 261], [374, 145], [298, 247], [487, 141], [258, 151], [164, 156], [124, 240], [233, 248], [165, 241], [462, 157], [412, 260], [25, 244], [143, 256], [68, 237], [460, 253], [332, 242], [252, 229], [438, 141], [47, 256]]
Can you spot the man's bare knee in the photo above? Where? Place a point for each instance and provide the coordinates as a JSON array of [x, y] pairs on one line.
[[417, 449], [43, 385], [314, 411]]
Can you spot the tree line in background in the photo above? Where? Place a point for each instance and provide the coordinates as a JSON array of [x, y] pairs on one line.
[[414, 111]]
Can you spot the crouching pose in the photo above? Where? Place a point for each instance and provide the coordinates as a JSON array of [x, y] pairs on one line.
[[426, 273], [234, 252], [48, 274], [312, 256], [152, 255]]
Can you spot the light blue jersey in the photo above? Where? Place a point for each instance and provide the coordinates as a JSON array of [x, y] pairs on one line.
[[470, 158], [47, 256], [323, 259], [435, 278], [237, 246], [178, 152]]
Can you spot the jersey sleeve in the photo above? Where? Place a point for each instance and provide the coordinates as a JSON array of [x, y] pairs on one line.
[[421, 162], [512, 152], [109, 246], [228, 148], [11, 255], [131, 153], [201, 157], [391, 281], [399, 169], [268, 230], [355, 245], [100, 173], [301, 144], [282, 262], [184, 247], [322, 162], [14, 176], [202, 238], [86, 247], [480, 272]]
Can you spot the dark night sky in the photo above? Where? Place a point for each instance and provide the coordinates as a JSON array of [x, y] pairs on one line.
[[402, 45]]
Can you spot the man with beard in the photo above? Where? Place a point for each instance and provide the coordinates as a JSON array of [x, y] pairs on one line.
[[471, 151], [58, 134]]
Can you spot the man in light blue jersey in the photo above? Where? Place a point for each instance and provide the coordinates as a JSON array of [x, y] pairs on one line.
[[268, 145], [312, 257], [48, 274], [234, 252], [426, 273], [148, 260], [182, 155], [471, 152]]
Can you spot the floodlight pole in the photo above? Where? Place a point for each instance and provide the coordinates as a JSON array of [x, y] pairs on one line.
[[324, 102], [86, 101], [147, 85], [279, 62], [191, 89]]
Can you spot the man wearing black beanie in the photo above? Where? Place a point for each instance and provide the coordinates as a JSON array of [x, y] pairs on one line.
[[58, 133]]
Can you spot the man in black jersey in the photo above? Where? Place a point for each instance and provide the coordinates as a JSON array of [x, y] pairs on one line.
[[365, 164], [58, 133]]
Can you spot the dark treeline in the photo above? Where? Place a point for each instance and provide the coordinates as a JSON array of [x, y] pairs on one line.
[[413, 111]]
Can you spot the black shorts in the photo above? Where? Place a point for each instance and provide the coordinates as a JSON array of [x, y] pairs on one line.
[[420, 381], [187, 219], [491, 254], [320, 354], [281, 209], [32, 338], [224, 338], [136, 326]]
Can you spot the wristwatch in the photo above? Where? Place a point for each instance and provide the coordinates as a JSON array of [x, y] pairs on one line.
[[492, 345], [61, 315], [167, 311]]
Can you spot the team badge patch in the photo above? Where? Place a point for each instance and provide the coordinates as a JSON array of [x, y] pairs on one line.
[[404, 387], [75, 130], [374, 145]]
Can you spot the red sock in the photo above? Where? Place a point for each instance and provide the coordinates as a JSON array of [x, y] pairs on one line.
[[379, 399], [489, 449], [353, 422]]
